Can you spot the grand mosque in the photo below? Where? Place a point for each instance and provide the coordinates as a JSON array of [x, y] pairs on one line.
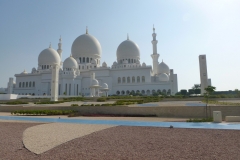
[[82, 73]]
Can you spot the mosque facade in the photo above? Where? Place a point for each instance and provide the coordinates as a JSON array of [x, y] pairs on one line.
[[83, 74]]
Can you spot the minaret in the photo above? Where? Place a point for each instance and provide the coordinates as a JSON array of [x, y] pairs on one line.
[[54, 83], [59, 50], [155, 55]]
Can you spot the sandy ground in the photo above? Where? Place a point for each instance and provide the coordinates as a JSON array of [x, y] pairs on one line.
[[41, 138], [123, 142]]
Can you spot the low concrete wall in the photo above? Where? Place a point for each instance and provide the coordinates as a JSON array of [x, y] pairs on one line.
[[166, 111]]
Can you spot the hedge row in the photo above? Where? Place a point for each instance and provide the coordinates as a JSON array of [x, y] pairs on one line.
[[43, 112]]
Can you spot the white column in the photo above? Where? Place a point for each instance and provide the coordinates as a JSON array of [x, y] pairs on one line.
[[54, 82], [203, 72]]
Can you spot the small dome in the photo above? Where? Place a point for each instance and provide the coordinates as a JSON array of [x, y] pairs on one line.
[[95, 82], [163, 77], [144, 64], [115, 63], [49, 56], [104, 64], [105, 86], [86, 46], [128, 50], [163, 68], [24, 72], [70, 62]]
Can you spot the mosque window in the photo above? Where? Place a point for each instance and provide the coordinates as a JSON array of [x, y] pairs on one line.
[[80, 59], [33, 84], [127, 92], [148, 91], [159, 91], [137, 91], [134, 60], [164, 91], [123, 80], [153, 91], [128, 60], [87, 67], [119, 80], [128, 79], [42, 66], [83, 59], [30, 84], [133, 79], [90, 59], [82, 67], [143, 79], [79, 67], [23, 84], [143, 92], [26, 84], [20, 85], [47, 66], [117, 92], [87, 60], [138, 79], [169, 91], [123, 92]]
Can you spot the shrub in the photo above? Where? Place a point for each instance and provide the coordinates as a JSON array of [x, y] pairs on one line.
[[101, 99], [15, 102], [200, 120], [74, 105]]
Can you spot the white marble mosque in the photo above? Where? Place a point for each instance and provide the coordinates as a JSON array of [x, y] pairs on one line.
[[83, 74]]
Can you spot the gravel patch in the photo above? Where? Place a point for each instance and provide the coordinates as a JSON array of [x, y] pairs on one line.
[[124, 142], [41, 138]]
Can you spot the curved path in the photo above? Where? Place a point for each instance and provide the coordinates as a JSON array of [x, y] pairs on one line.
[[41, 138]]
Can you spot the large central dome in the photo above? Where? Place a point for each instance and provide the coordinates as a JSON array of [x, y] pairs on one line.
[[86, 46], [128, 50]]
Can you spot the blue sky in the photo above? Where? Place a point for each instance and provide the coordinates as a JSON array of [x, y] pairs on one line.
[[185, 29]]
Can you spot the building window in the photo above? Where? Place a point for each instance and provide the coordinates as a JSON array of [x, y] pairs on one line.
[[23, 84], [33, 84], [123, 92], [128, 79], [119, 80], [143, 92], [30, 84], [26, 84], [123, 80], [42, 66], [47, 66], [87, 60], [82, 67], [83, 59], [138, 79], [80, 59], [20, 85], [133, 79], [127, 92], [117, 92], [143, 79]]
